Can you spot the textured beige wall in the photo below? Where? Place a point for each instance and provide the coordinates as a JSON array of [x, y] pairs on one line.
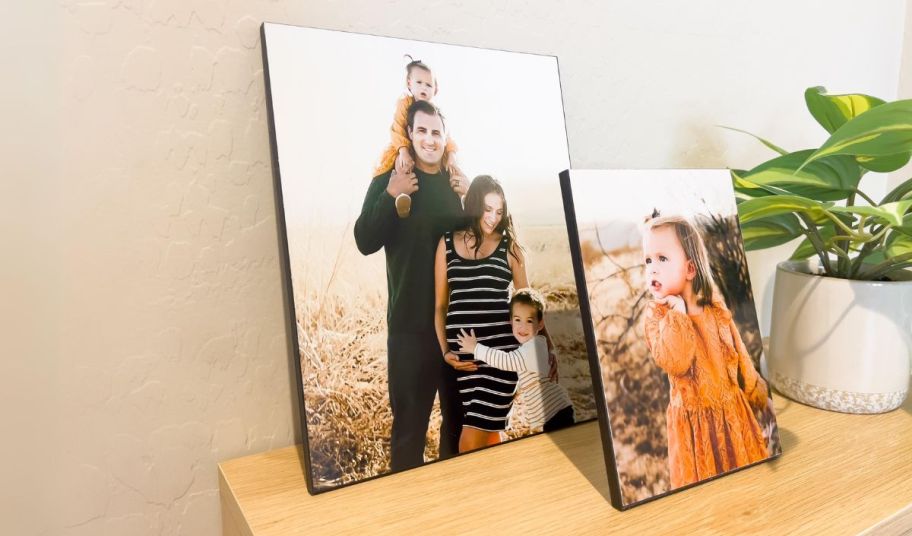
[[905, 89], [142, 306], [905, 72]]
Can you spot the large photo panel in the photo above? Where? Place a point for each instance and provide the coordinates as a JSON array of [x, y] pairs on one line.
[[434, 304], [674, 339]]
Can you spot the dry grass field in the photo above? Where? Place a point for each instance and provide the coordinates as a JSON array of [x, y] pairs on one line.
[[636, 390], [340, 300]]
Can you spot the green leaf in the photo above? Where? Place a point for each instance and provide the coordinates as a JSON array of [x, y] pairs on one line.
[[892, 213], [882, 131], [828, 179], [742, 195], [756, 188], [769, 232], [833, 111], [884, 164], [805, 250], [876, 257], [745, 195], [906, 227], [754, 209], [898, 244], [744, 190], [769, 144], [901, 191]]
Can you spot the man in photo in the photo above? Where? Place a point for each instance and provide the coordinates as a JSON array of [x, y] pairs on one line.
[[405, 213]]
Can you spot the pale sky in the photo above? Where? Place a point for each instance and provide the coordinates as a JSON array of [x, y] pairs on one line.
[[625, 197], [334, 94], [632, 194]]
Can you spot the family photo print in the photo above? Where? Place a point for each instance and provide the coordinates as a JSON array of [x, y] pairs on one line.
[[673, 335], [427, 259]]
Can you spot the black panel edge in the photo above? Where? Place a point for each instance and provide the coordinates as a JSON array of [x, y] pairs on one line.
[[291, 326], [614, 483]]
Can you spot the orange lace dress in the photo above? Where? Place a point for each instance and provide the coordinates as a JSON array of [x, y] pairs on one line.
[[399, 137], [711, 427]]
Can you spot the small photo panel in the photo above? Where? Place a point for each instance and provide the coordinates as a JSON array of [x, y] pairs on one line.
[[671, 327]]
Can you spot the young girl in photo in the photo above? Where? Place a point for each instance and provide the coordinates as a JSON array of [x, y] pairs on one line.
[[690, 332], [420, 84], [547, 404]]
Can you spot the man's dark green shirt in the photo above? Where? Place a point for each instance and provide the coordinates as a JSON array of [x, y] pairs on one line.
[[410, 244]]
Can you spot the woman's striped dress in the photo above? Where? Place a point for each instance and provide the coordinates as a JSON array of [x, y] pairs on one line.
[[478, 301]]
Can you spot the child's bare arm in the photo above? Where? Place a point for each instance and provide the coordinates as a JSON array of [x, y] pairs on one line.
[[404, 161], [467, 341]]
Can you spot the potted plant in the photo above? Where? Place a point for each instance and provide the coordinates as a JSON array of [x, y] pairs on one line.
[[841, 333]]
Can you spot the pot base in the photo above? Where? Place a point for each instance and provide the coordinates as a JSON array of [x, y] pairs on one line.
[[840, 344], [836, 400]]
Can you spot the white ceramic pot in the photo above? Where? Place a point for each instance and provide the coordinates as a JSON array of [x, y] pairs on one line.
[[838, 344]]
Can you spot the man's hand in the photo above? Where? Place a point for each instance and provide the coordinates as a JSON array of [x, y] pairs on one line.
[[459, 183], [673, 302], [453, 360], [402, 183], [467, 341]]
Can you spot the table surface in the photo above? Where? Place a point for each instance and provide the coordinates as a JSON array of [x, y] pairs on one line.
[[838, 474]]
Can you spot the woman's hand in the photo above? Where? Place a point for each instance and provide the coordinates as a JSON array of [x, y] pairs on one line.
[[453, 360], [674, 302], [467, 341]]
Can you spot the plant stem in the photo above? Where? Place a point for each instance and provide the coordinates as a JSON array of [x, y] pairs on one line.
[[876, 237], [877, 240], [848, 230], [817, 241], [844, 262], [842, 256], [838, 238], [864, 196]]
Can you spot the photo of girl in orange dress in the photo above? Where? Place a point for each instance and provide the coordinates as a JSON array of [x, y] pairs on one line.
[[671, 326], [692, 337]]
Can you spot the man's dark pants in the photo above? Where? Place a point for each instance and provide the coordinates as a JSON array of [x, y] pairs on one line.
[[416, 372]]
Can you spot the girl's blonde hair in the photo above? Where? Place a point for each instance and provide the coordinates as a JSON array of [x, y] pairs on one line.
[[694, 249]]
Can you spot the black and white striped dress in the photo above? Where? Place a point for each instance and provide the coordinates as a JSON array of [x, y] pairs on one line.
[[478, 301]]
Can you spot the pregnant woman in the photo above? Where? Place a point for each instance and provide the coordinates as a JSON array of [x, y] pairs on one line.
[[473, 270]]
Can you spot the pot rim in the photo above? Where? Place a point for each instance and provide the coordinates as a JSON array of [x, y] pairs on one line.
[[798, 268]]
